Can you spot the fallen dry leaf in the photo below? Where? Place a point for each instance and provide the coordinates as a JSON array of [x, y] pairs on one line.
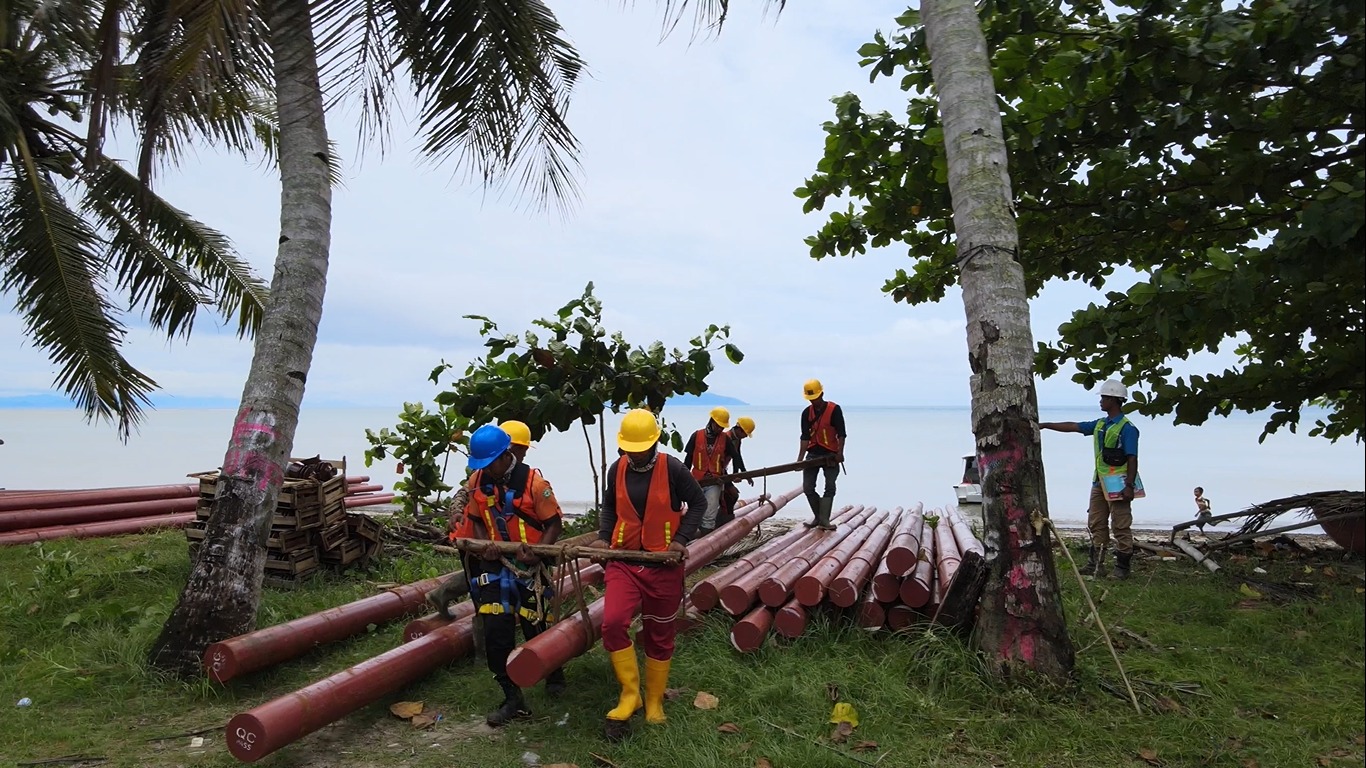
[[1149, 756], [1245, 590], [704, 700], [673, 693], [425, 720], [1264, 548], [1324, 761], [405, 709], [832, 691], [762, 763], [1330, 572], [865, 746], [1249, 762], [1359, 739], [842, 732], [728, 728]]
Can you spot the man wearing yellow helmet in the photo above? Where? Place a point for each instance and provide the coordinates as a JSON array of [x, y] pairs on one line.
[[822, 438], [651, 503], [708, 453], [744, 427]]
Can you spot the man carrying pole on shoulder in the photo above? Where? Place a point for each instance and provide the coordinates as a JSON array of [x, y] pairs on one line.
[[708, 453], [652, 503], [510, 501]]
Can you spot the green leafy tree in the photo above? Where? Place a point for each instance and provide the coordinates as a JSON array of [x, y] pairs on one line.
[[569, 371], [1215, 148], [84, 242]]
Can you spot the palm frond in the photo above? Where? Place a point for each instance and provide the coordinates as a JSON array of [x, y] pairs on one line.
[[52, 265], [199, 60], [168, 262], [358, 58], [495, 79], [708, 16]]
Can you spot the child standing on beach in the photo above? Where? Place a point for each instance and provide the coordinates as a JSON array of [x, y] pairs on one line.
[[1202, 511]]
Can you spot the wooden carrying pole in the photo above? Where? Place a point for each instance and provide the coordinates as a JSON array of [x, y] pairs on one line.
[[508, 548], [776, 469]]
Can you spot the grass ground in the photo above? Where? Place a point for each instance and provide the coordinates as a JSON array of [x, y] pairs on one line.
[[1232, 669]]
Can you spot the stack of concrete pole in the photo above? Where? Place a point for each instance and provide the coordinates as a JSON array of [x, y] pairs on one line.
[[39, 515], [886, 569], [260, 731]]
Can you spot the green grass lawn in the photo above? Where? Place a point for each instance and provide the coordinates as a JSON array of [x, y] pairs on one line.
[[1224, 679]]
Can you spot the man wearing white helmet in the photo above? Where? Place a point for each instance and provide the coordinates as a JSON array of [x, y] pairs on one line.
[[1115, 481]]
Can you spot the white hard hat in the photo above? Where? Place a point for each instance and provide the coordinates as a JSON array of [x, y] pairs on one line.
[[1113, 388]]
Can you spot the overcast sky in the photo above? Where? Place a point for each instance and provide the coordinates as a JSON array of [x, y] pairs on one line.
[[691, 151]]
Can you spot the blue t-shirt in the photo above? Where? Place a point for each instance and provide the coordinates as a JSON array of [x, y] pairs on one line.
[[1128, 434]]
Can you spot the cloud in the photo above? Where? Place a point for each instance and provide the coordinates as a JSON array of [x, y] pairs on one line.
[[691, 150]]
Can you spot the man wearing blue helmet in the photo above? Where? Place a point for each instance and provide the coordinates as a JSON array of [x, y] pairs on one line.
[[509, 501]]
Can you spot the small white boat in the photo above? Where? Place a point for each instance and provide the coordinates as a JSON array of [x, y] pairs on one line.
[[969, 490]]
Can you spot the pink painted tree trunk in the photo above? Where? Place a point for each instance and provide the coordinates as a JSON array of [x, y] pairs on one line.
[[223, 592], [1021, 627]]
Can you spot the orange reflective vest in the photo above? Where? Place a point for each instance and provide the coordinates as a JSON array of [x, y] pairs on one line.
[[516, 509], [709, 460], [822, 433], [654, 530]]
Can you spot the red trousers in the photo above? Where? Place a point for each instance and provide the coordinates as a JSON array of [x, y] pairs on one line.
[[655, 593]]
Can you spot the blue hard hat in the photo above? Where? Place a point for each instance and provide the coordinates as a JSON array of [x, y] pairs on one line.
[[486, 445]]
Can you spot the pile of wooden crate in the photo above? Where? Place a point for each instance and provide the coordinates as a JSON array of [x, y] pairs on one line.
[[311, 528]]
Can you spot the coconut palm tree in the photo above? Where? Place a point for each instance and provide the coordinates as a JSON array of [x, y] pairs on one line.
[[492, 80], [1021, 627], [83, 241]]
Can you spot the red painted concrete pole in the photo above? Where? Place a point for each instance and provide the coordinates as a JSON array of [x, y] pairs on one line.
[[901, 616], [811, 587], [871, 613], [368, 500], [962, 533], [421, 627], [904, 548], [22, 519], [96, 530], [777, 588], [48, 500], [790, 621], [266, 647], [261, 730], [947, 558], [848, 583], [883, 584], [359, 488], [738, 596], [553, 648], [706, 594], [749, 633], [915, 589]]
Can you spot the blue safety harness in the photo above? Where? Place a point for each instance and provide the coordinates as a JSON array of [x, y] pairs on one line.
[[509, 583]]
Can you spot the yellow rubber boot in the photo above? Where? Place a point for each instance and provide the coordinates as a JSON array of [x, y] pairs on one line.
[[656, 680], [628, 674]]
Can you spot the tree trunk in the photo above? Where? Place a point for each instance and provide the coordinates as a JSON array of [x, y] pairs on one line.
[[1021, 627], [224, 589]]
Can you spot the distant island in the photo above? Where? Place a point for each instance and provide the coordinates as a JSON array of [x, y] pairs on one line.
[[706, 398]]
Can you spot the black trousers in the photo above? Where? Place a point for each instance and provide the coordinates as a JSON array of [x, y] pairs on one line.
[[500, 629]]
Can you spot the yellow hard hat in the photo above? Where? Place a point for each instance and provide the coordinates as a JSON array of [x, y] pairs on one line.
[[518, 431], [639, 431], [746, 424], [721, 416], [812, 389]]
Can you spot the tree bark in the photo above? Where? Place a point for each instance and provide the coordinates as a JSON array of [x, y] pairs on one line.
[[1021, 628], [223, 592]]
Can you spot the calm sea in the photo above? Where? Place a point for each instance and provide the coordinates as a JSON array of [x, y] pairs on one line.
[[895, 456]]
